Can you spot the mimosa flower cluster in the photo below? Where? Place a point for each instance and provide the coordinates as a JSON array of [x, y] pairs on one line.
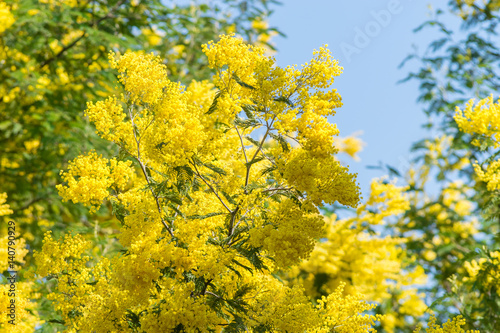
[[373, 265], [90, 177], [217, 190], [451, 326], [476, 7], [483, 120]]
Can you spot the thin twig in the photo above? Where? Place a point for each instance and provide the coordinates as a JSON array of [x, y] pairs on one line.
[[210, 186], [211, 293], [143, 168], [29, 203], [73, 43], [249, 164], [277, 189], [205, 286], [59, 54], [231, 224], [242, 145]]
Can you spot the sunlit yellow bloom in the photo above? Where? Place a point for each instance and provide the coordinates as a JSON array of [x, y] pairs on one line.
[[482, 118], [6, 17], [89, 178], [451, 326]]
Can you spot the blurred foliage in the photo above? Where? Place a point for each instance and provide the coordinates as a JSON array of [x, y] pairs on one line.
[[453, 217]]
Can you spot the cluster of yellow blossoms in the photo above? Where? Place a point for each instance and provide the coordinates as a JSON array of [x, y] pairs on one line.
[[451, 326], [491, 176], [350, 145], [489, 268], [4, 207], [265, 35], [54, 3], [216, 210], [373, 265], [483, 119], [454, 201], [6, 17], [90, 177], [450, 214]]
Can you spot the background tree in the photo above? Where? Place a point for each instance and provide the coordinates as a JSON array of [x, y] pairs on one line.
[[454, 215]]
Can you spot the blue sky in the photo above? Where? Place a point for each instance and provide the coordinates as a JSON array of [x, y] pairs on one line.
[[370, 38]]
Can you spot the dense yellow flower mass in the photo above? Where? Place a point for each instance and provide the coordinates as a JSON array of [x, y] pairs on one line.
[[370, 264], [475, 7], [211, 209], [89, 178], [143, 76], [485, 271], [4, 207], [482, 118], [491, 176], [451, 326], [324, 179], [6, 17]]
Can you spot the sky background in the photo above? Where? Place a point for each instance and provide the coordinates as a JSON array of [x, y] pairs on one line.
[[386, 112]]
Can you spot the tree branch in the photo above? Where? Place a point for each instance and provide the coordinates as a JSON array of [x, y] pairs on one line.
[[242, 145], [210, 186], [143, 168], [258, 150], [73, 43]]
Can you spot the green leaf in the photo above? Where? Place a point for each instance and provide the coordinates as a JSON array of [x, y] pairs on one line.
[[119, 211], [172, 197], [213, 107], [243, 290], [234, 270], [253, 141], [255, 160], [246, 123], [175, 209], [241, 83], [445, 249], [249, 109], [219, 125], [201, 217], [229, 198], [215, 169], [392, 170], [284, 100], [252, 254], [282, 141], [268, 170], [241, 265]]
